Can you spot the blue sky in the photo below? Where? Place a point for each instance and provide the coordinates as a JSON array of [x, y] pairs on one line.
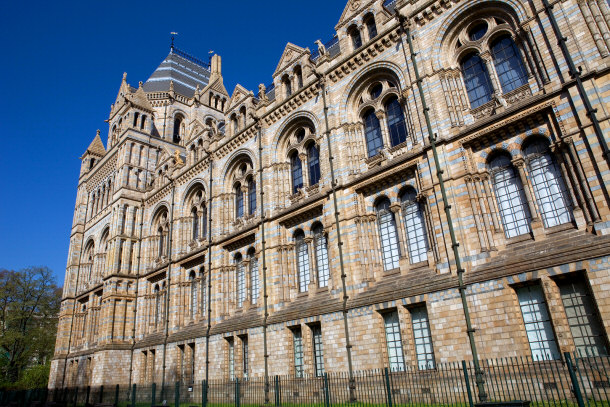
[[63, 63]]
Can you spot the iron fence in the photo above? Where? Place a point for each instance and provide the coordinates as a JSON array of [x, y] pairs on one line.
[[571, 381]]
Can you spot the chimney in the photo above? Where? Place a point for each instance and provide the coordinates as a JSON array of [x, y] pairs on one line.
[[216, 68]]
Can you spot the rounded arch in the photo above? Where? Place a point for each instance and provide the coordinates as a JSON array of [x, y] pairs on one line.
[[193, 187], [159, 209], [104, 235], [290, 124], [234, 159], [510, 11], [89, 249]]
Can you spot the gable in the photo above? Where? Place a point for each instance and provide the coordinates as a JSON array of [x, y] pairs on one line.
[[352, 8], [290, 54], [239, 93]]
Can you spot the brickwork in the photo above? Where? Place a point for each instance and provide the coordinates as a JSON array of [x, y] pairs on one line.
[[160, 240]]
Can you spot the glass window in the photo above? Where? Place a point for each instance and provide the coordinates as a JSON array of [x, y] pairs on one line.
[[547, 182], [313, 160], [393, 341], [417, 242], [318, 352], [302, 253], [476, 80], [376, 90], [202, 287], [297, 173], [297, 343], [508, 64], [193, 295], [195, 224], [514, 212], [204, 223], [372, 133], [583, 318], [537, 322], [231, 359], [251, 197], [478, 31], [356, 38], [239, 201], [254, 279], [240, 281], [321, 256], [387, 234], [396, 121], [244, 354], [371, 27], [422, 337]]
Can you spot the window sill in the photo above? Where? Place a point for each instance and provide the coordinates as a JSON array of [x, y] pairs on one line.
[[518, 239], [559, 228], [419, 265], [391, 272]]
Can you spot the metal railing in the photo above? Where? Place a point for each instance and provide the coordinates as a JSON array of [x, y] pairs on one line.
[[582, 381]]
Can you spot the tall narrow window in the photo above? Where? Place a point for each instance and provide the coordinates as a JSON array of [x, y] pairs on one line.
[[387, 234], [202, 293], [231, 359], [354, 33], [537, 322], [254, 279], [193, 294], [548, 185], [297, 346], [161, 242], [583, 318], [157, 307], [370, 26], [396, 121], [191, 347], [298, 72], [318, 352], [507, 61], [244, 356], [297, 172], [287, 86], [302, 260], [422, 337], [417, 242], [251, 197], [321, 255], [239, 201], [508, 189], [313, 161], [204, 222], [195, 224], [372, 133], [476, 80], [396, 357], [240, 282], [177, 129]]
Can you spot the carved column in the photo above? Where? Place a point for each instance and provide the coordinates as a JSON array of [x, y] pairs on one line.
[[385, 135], [572, 157], [396, 209], [519, 163], [495, 82], [304, 169], [593, 24]]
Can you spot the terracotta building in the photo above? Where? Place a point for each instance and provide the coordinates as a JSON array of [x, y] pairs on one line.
[[307, 220]]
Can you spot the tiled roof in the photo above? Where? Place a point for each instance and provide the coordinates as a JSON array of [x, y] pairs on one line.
[[185, 71]]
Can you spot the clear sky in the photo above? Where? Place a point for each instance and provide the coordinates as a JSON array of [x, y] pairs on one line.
[[63, 63]]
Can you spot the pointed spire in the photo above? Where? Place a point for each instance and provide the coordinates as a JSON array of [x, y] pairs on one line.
[[96, 147], [124, 76]]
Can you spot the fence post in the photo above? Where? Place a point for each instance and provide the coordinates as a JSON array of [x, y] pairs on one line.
[[101, 394], [467, 380], [237, 392], [388, 388], [87, 396], [277, 391], [116, 396], [177, 395], [575, 384], [326, 391], [133, 395], [75, 396], [154, 395], [204, 393]]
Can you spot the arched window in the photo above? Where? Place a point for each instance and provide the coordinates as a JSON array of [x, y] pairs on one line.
[[240, 282], [313, 161], [417, 242], [298, 72], [302, 254], [548, 185], [239, 201], [204, 222], [396, 121], [195, 224], [372, 133], [242, 117], [476, 80], [178, 128], [508, 64], [369, 21], [251, 197], [287, 86], [254, 277], [297, 172], [161, 241], [234, 128], [354, 34], [512, 206], [193, 294], [387, 233], [321, 248], [135, 119], [157, 306], [203, 301]]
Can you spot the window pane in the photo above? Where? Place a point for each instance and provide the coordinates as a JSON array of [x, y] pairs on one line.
[[583, 319], [322, 258], [297, 340], [372, 133], [231, 360], [423, 338], [244, 354], [537, 322], [313, 160], [514, 212], [387, 233], [393, 341], [396, 122], [547, 182], [254, 280], [239, 202], [317, 350], [417, 242], [297, 173], [508, 64], [251, 197], [476, 80], [241, 284], [302, 263]]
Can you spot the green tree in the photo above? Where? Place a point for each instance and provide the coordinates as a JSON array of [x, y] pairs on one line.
[[29, 309]]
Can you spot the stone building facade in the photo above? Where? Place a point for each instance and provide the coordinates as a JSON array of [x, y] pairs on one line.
[[211, 226]]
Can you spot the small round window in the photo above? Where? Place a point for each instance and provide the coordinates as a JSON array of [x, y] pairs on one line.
[[478, 31], [376, 91]]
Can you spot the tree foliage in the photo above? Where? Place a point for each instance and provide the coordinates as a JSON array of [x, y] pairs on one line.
[[29, 309]]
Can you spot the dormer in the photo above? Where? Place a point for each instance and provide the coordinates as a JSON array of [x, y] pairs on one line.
[[214, 95], [359, 24], [292, 71], [240, 107], [94, 153]]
